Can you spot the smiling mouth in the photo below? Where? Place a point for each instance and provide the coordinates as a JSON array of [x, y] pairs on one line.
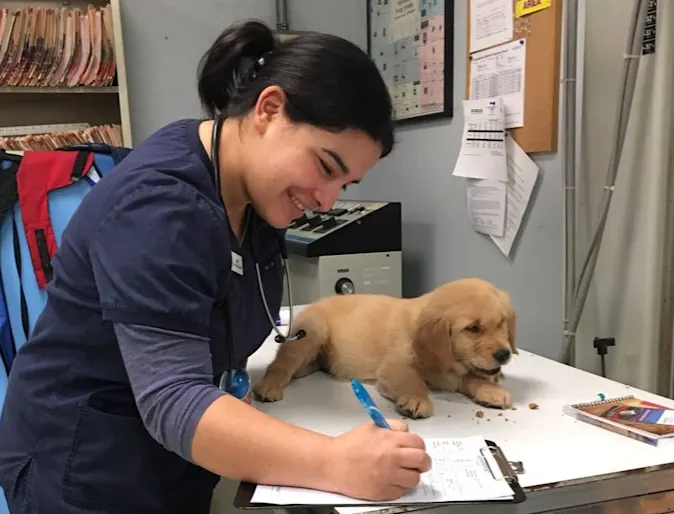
[[297, 203], [488, 371]]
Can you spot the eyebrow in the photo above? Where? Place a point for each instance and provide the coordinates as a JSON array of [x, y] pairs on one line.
[[338, 160]]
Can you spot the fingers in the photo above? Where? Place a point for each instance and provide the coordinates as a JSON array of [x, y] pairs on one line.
[[398, 425], [414, 459], [406, 478], [410, 440]]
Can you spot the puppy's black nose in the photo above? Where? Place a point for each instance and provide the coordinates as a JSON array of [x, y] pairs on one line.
[[502, 355]]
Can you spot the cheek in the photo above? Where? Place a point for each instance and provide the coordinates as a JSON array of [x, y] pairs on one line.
[[303, 176], [463, 346]]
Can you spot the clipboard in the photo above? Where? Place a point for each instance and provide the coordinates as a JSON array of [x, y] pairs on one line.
[[245, 492]]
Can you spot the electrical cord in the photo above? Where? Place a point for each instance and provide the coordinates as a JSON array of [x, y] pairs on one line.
[[629, 75]]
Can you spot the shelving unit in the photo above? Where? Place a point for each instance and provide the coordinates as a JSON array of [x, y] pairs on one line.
[[43, 109]]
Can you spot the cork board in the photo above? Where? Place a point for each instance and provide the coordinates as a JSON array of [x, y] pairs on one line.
[[542, 31]]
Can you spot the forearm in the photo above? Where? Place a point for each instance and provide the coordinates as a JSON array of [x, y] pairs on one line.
[[239, 442], [169, 373]]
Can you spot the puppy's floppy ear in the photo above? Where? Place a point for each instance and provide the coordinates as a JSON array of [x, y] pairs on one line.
[[432, 338], [511, 321]]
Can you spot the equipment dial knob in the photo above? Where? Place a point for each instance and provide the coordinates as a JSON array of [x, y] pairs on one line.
[[344, 286]]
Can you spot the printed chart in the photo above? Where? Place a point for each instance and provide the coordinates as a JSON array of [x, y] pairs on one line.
[[409, 42]]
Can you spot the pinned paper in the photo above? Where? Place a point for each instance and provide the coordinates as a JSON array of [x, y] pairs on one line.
[[486, 206], [524, 7], [522, 175], [500, 72], [491, 23], [483, 152]]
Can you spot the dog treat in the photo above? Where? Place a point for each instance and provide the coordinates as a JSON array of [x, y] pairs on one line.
[[533, 406], [479, 414]]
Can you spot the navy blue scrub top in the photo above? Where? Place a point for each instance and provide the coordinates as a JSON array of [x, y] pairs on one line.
[[150, 245]]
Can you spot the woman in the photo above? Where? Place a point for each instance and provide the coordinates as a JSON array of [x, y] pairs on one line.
[[113, 404]]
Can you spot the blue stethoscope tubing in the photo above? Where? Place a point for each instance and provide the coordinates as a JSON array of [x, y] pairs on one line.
[[237, 381]]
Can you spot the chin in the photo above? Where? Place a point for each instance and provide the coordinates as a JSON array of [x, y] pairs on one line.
[[279, 221]]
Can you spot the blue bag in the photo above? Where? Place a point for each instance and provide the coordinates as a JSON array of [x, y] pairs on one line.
[[4, 509]]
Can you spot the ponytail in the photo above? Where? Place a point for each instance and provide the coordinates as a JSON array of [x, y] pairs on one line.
[[235, 55]]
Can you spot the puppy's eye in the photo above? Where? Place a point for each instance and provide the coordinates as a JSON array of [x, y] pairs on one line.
[[473, 328]]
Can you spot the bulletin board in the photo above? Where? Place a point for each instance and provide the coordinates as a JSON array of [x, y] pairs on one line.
[[541, 31], [412, 44]]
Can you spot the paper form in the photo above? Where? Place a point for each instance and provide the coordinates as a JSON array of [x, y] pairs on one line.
[[500, 72], [483, 154], [491, 23], [522, 175], [486, 200], [463, 470]]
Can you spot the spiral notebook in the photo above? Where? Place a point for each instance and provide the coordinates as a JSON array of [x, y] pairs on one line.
[[465, 471], [630, 416]]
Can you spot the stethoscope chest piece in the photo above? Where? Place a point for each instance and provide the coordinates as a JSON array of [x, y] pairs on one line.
[[236, 383]]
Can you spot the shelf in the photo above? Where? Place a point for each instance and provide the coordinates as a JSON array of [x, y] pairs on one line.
[[66, 90], [31, 110], [41, 129]]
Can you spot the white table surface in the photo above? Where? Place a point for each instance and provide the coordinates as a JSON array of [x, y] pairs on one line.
[[552, 446]]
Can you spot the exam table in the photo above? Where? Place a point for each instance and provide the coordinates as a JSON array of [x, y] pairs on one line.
[[569, 466]]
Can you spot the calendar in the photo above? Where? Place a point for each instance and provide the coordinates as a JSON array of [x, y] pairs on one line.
[[411, 44]]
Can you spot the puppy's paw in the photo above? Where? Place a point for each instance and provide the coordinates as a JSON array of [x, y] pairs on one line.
[[268, 390], [490, 395], [414, 407]]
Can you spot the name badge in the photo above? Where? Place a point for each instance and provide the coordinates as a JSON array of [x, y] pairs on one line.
[[237, 263]]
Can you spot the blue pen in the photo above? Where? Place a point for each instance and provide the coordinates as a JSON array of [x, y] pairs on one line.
[[366, 401]]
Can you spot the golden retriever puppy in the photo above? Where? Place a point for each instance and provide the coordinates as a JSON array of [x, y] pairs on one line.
[[454, 338]]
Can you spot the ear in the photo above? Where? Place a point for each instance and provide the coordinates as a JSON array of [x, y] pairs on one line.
[[270, 104], [432, 337], [511, 321]]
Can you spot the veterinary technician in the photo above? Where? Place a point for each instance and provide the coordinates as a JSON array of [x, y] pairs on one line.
[[114, 404]]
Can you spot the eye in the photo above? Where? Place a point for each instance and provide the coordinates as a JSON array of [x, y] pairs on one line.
[[326, 169], [473, 328]]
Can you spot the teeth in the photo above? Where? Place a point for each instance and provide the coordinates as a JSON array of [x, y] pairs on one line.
[[297, 203]]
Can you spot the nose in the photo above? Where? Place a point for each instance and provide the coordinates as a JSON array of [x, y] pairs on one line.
[[326, 197], [502, 355]]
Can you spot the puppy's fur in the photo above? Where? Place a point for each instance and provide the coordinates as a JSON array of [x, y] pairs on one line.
[[454, 338]]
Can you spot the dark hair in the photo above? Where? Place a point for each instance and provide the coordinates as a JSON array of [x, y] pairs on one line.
[[329, 82]]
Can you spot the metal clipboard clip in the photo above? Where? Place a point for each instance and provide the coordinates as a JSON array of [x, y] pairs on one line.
[[504, 465]]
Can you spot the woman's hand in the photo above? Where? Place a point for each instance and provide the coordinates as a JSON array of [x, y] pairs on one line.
[[372, 463]]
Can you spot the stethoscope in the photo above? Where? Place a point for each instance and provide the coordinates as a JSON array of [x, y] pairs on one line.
[[237, 381]]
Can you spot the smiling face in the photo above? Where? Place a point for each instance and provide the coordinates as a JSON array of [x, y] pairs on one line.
[[292, 167]]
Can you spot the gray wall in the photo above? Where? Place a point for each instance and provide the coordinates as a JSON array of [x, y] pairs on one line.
[[164, 41]]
